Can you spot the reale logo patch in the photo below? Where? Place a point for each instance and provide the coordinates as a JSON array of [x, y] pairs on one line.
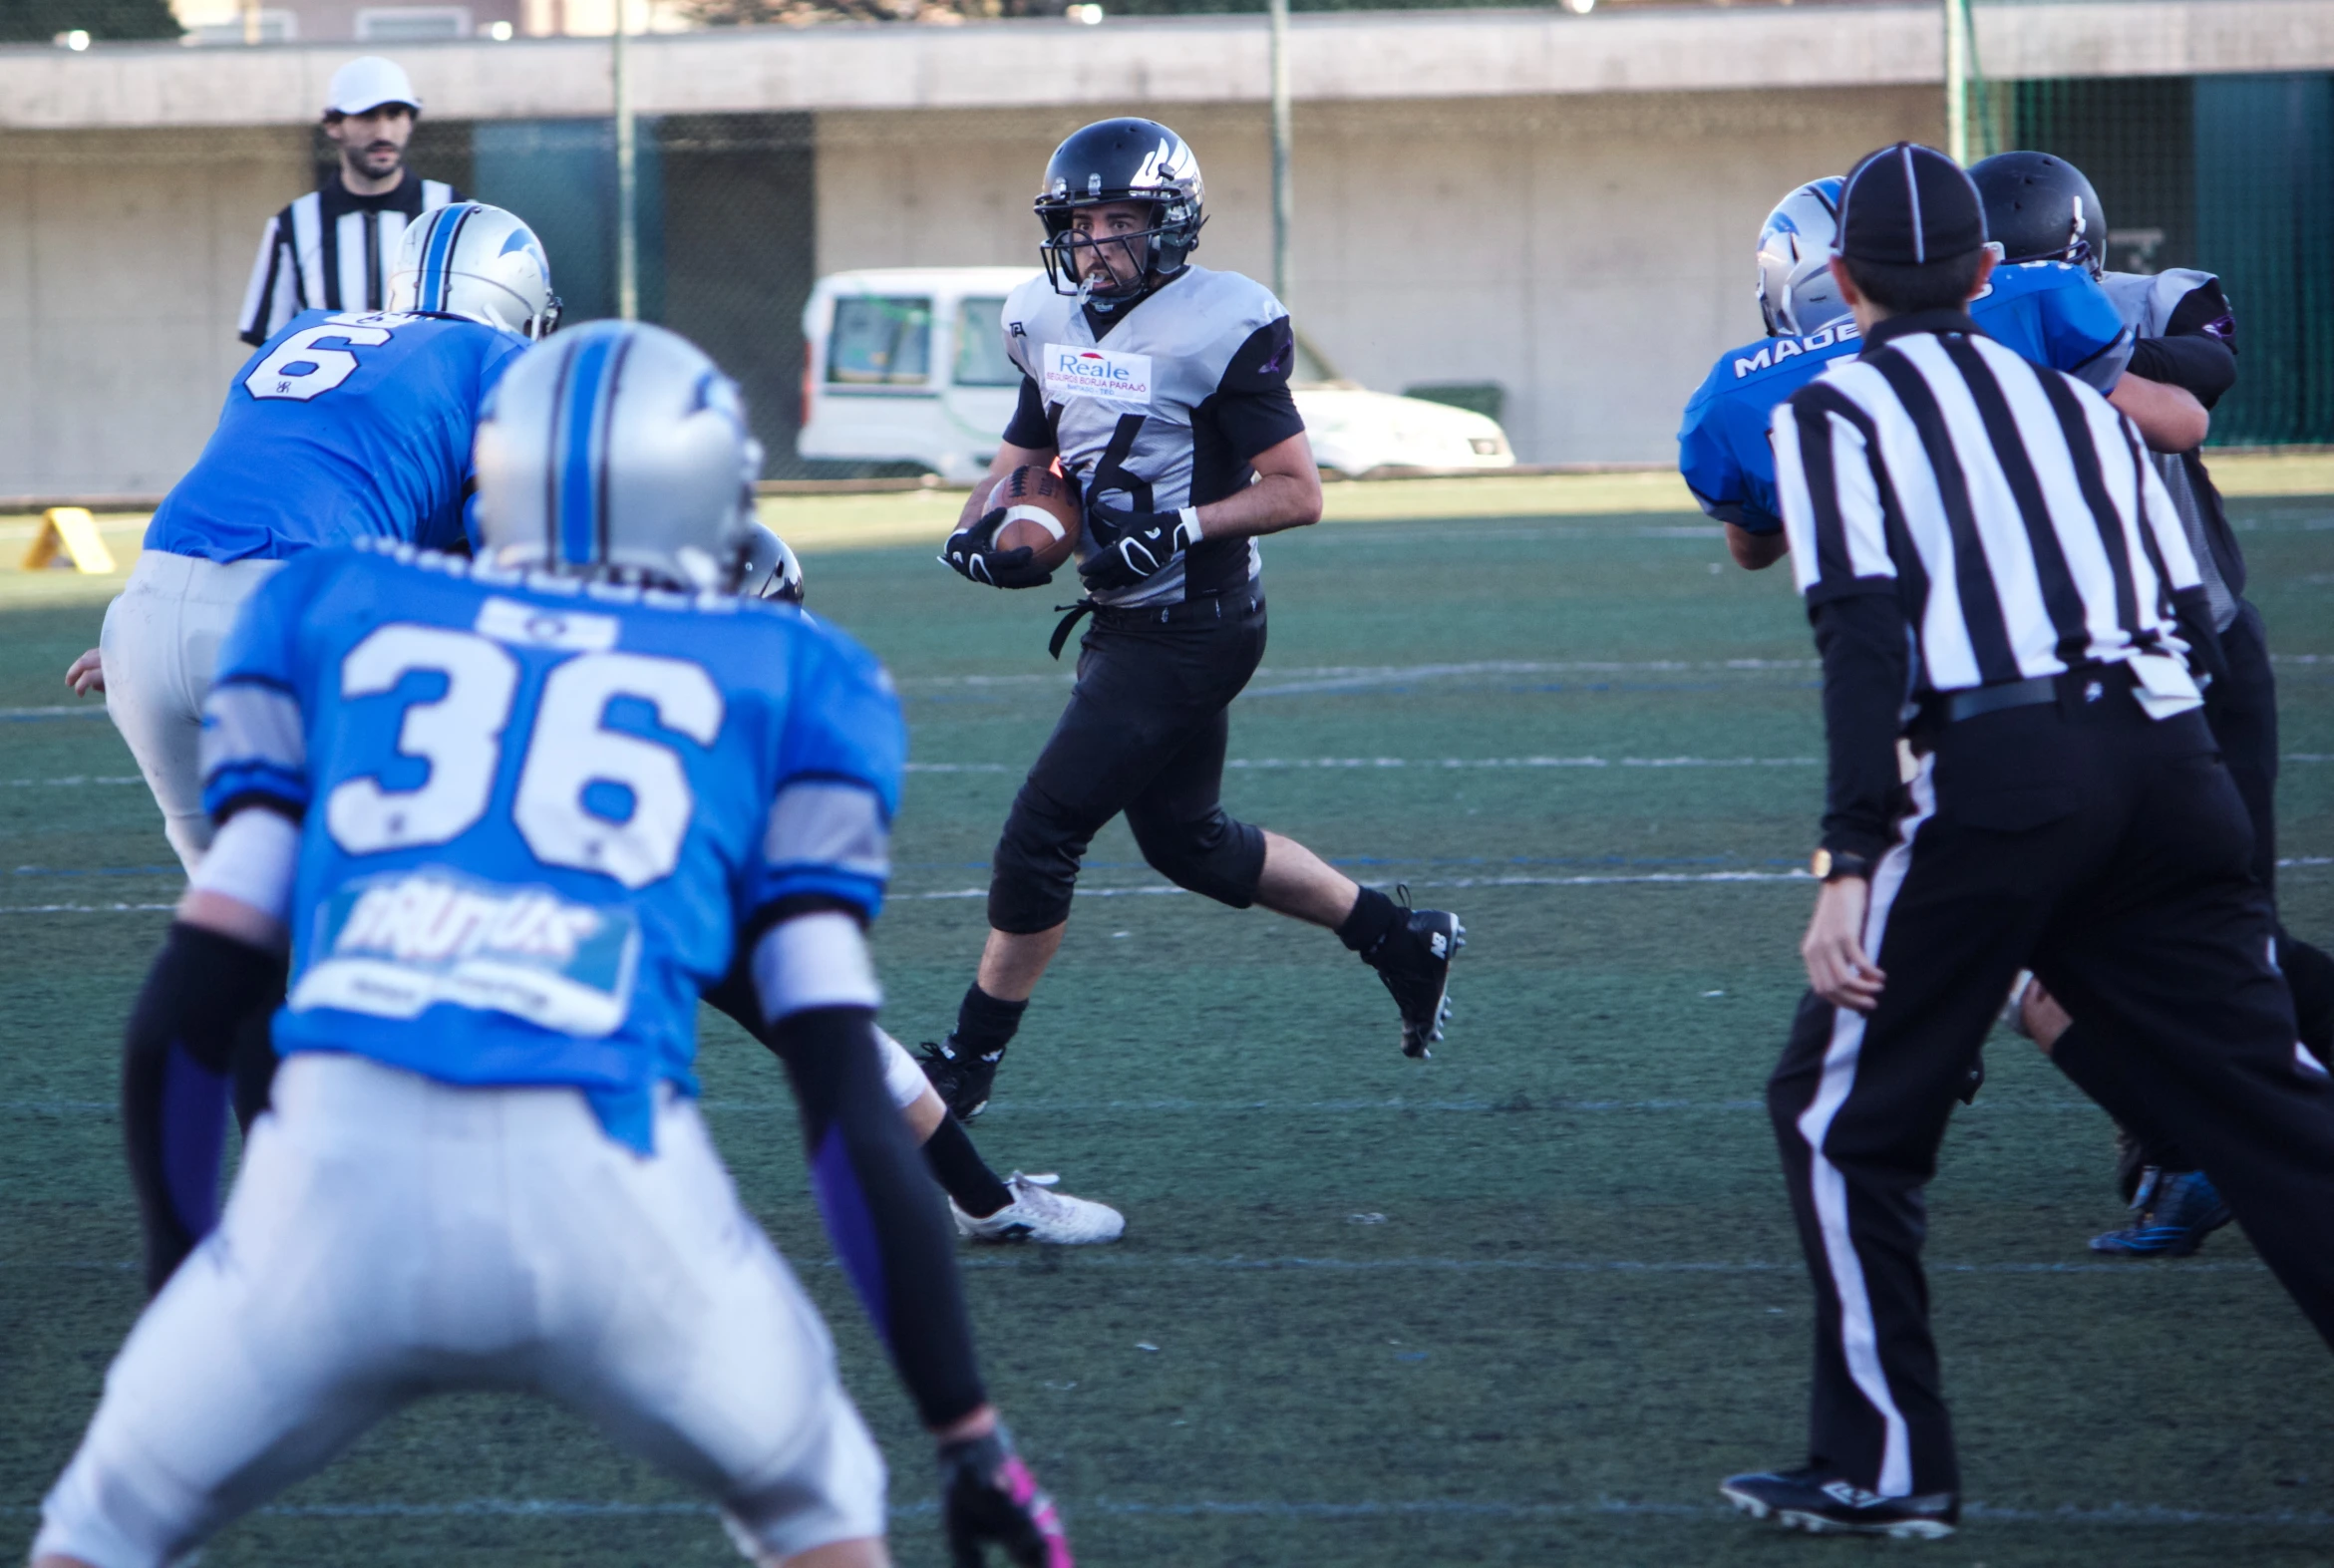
[[1069, 370]]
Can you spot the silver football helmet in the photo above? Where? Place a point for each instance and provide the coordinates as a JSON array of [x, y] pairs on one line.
[[470, 259], [1797, 295], [619, 452], [770, 570]]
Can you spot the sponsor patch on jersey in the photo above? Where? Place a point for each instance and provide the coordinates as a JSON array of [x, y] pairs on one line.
[[1073, 372], [535, 626], [393, 946]]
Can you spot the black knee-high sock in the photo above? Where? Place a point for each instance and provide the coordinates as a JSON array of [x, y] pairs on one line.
[[1374, 915], [961, 1171], [985, 1026]]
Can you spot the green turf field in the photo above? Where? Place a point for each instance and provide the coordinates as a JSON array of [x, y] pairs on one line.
[[1523, 1304]]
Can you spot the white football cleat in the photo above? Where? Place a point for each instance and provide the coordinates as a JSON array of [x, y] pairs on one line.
[[1038, 1213]]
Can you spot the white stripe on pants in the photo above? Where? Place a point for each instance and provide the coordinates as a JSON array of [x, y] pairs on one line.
[[1859, 1334], [160, 645]]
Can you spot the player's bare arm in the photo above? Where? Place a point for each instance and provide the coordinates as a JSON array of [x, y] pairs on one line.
[[1286, 494], [1755, 551], [2169, 417]]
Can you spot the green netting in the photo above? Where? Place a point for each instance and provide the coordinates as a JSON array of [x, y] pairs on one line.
[[2231, 173]]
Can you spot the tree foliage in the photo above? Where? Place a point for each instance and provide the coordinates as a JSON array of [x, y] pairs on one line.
[[39, 21]]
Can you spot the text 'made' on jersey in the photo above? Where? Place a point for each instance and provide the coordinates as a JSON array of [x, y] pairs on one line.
[[2047, 312], [1165, 409], [340, 428], [538, 816]]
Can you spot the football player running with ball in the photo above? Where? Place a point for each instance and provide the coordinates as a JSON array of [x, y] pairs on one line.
[[510, 820], [1162, 389]]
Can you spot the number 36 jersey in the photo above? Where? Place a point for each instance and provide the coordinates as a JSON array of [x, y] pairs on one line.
[[1163, 409], [537, 817], [340, 428]]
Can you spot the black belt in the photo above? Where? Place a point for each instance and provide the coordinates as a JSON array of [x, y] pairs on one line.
[[1208, 607], [2079, 682]]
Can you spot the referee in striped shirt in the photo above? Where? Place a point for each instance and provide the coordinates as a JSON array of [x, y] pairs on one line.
[[333, 248], [1996, 575]]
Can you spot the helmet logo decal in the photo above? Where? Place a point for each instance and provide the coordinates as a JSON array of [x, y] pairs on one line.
[[1170, 163]]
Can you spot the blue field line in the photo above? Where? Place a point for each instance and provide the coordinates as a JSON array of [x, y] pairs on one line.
[[2114, 1513]]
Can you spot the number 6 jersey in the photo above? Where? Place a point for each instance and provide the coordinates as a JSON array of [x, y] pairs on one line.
[[537, 817], [340, 428], [1163, 408]]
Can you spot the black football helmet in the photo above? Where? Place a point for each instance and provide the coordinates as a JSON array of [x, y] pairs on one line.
[[1121, 160], [2041, 208]]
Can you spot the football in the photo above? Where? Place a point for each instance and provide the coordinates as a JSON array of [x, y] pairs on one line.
[[1041, 511]]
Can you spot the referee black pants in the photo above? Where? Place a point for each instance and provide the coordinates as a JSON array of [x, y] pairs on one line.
[[2112, 856], [2242, 710], [1144, 733]]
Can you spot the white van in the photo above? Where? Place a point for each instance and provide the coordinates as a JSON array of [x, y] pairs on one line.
[[907, 365]]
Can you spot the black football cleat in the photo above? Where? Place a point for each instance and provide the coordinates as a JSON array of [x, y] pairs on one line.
[[1413, 959], [962, 1083], [1822, 1502]]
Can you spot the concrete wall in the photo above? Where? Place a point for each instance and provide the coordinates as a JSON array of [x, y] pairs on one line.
[[1592, 254], [122, 260]]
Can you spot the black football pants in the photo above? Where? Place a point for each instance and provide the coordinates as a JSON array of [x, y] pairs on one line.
[[1144, 733], [2112, 856], [2242, 710]]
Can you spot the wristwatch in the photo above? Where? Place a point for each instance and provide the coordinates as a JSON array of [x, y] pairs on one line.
[[1825, 867]]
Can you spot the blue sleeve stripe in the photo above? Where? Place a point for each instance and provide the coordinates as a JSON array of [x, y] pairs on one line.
[[235, 780], [825, 881], [852, 1228]]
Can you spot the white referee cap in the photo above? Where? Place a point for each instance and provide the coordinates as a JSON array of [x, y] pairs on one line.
[[367, 83]]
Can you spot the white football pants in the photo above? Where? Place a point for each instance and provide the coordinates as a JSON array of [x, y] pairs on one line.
[[160, 645], [391, 1236]]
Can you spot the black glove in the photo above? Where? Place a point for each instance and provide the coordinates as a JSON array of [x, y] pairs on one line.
[[1135, 544], [972, 553], [988, 1495]]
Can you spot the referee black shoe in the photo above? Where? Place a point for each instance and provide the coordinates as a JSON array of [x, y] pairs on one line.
[[1413, 959], [962, 1083], [1824, 1503]]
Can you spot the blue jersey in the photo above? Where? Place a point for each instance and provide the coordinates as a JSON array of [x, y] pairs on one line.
[[340, 428], [2047, 311], [536, 816]]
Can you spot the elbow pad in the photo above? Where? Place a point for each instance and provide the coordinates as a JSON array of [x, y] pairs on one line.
[[174, 1082], [881, 1210]]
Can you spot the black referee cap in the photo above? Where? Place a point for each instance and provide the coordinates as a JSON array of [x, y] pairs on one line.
[[1909, 205]]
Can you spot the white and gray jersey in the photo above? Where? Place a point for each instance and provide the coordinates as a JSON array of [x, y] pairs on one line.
[[1164, 406], [332, 250], [2159, 304]]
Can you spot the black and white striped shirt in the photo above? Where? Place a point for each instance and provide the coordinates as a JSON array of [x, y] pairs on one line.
[[332, 250], [2009, 508]]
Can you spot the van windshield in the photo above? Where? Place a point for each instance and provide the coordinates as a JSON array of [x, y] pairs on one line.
[[880, 342], [980, 346]]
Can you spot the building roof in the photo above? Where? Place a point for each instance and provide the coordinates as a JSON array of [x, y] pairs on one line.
[[1335, 56]]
